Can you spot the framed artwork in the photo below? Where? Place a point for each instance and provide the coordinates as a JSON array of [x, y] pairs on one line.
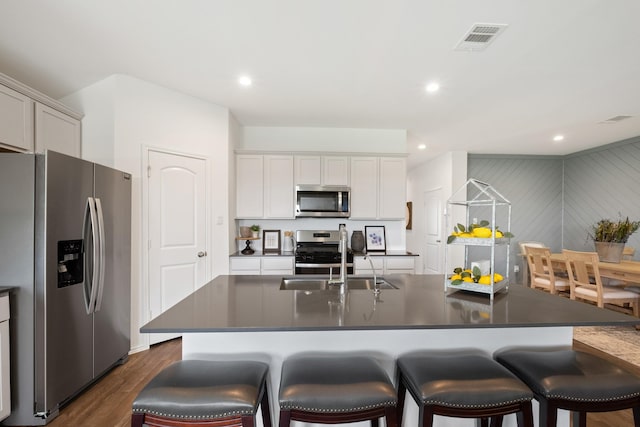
[[375, 238], [271, 241]]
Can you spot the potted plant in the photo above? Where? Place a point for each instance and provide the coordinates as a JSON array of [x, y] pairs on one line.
[[255, 229], [609, 237]]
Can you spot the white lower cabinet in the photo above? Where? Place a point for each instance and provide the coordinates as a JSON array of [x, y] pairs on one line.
[[400, 265], [385, 265], [278, 266], [362, 266], [244, 266], [265, 265]]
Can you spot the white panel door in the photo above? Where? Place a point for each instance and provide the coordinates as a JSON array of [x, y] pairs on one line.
[[434, 244], [177, 230]]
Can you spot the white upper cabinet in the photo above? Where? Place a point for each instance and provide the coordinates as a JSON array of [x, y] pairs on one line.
[[321, 170], [249, 186], [264, 186], [364, 187], [16, 119], [278, 187], [56, 131], [335, 170], [393, 188], [308, 170], [378, 187], [31, 121]]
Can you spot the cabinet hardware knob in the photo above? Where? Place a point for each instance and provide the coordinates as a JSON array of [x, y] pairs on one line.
[[201, 254]]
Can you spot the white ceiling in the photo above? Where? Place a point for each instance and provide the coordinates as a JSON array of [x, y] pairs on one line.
[[559, 67]]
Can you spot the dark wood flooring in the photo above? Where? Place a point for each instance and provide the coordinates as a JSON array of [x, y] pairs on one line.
[[108, 402]]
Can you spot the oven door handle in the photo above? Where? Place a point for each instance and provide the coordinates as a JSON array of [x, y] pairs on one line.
[[336, 265]]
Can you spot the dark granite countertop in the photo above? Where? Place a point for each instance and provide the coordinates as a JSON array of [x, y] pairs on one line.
[[255, 303]]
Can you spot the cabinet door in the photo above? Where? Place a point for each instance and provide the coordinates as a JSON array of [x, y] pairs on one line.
[[393, 188], [244, 266], [56, 131], [335, 170], [308, 170], [278, 266], [16, 119], [364, 187], [399, 265], [249, 186], [363, 266], [278, 187]]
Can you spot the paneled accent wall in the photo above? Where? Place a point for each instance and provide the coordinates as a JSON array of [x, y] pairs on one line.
[[601, 183], [533, 185]]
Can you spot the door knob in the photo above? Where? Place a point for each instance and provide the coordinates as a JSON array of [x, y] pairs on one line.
[[201, 254]]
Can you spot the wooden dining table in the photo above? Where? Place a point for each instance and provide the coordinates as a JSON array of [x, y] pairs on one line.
[[626, 271]]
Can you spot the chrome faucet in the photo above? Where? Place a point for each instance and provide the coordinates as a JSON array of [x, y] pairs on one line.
[[342, 281], [376, 288]]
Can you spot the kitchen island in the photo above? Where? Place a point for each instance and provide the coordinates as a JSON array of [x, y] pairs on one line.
[[249, 316]]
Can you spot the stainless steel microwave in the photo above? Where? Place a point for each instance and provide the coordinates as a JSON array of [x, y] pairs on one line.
[[322, 201]]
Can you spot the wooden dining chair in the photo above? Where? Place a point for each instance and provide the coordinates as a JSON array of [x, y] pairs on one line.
[[526, 271], [541, 271], [590, 288]]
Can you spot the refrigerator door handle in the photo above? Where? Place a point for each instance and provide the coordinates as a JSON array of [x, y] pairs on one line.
[[90, 274], [101, 258]]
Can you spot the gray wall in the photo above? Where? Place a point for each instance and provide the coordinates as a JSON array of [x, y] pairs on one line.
[[555, 200], [533, 185], [601, 183]]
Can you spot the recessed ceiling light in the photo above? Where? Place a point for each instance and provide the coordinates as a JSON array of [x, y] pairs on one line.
[[558, 138], [422, 147], [432, 87], [245, 81]]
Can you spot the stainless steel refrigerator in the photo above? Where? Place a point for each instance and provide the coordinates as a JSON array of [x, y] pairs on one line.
[[65, 244]]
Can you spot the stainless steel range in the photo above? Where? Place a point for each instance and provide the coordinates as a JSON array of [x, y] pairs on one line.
[[317, 252]]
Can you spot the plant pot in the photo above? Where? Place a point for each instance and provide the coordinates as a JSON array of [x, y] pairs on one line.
[[609, 251], [255, 234]]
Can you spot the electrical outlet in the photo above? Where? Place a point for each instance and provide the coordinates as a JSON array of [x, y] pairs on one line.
[[516, 268]]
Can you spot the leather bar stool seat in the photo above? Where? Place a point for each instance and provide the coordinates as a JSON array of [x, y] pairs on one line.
[[462, 384], [204, 393], [333, 388], [575, 381]]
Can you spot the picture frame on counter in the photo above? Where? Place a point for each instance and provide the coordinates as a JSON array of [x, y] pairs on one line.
[[375, 239], [271, 241]]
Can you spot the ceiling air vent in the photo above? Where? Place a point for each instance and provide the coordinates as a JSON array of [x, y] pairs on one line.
[[614, 120], [480, 36]]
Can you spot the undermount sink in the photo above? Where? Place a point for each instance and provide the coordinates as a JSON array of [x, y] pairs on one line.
[[319, 284]]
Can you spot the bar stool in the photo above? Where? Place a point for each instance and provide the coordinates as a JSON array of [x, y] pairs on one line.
[[463, 384], [200, 393], [575, 381], [334, 388]]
